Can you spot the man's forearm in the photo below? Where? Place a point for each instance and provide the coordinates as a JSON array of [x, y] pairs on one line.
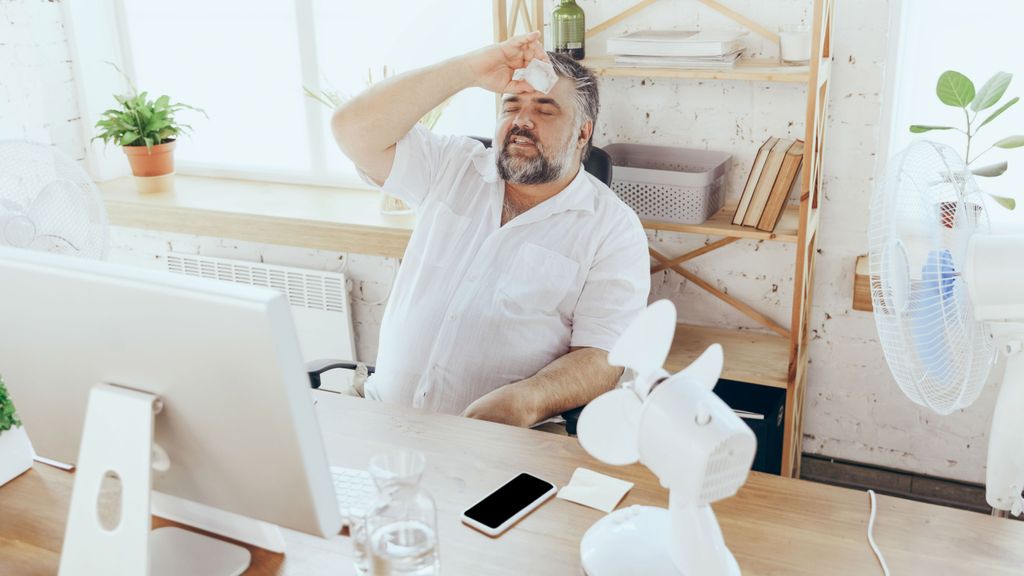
[[377, 118], [566, 383]]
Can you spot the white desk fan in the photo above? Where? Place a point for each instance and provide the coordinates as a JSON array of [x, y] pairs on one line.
[[48, 203], [687, 436], [946, 294]]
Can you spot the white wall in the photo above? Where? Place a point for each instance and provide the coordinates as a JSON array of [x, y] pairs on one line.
[[853, 411]]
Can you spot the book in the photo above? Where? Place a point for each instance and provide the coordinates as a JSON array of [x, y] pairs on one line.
[[766, 181], [680, 43], [748, 188], [783, 187], [698, 62]]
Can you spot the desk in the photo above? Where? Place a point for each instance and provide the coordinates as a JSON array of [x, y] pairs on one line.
[[773, 526]]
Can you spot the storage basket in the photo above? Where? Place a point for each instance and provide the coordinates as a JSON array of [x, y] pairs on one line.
[[669, 184]]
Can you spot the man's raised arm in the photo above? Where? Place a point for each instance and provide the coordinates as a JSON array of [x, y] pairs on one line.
[[368, 127]]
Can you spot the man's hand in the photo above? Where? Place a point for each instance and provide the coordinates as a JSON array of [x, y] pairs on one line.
[[507, 405], [492, 67]]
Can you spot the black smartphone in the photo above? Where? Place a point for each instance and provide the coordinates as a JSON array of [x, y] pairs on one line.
[[502, 508]]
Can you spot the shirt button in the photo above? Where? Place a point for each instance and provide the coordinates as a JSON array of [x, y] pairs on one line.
[[453, 317]]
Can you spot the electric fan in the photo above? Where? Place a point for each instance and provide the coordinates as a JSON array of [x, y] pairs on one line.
[[946, 295], [687, 436], [48, 203]]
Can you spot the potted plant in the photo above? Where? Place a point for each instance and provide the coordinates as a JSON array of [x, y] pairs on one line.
[[956, 90], [146, 129], [331, 99], [15, 449]]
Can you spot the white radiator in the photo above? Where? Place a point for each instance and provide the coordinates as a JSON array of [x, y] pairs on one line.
[[319, 301]]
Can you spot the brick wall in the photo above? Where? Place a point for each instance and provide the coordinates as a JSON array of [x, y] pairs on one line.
[[854, 410]]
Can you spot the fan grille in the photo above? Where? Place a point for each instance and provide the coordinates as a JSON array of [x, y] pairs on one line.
[[48, 203], [923, 215]]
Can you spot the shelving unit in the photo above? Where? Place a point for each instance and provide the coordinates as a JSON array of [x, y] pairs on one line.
[[777, 358]]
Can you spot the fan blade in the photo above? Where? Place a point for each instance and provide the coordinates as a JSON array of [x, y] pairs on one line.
[[706, 369], [609, 427], [644, 345]]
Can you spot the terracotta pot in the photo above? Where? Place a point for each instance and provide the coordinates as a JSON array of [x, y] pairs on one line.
[[157, 161], [15, 454], [948, 213]]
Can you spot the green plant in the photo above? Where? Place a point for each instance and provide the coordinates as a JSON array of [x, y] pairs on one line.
[[956, 90], [332, 99], [8, 418], [140, 121]]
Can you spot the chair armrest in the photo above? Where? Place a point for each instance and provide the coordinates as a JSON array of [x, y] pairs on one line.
[[317, 367], [571, 418]]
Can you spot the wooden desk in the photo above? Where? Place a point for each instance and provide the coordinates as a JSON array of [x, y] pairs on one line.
[[773, 526]]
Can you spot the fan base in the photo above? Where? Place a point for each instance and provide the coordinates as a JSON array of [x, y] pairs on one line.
[[633, 541]]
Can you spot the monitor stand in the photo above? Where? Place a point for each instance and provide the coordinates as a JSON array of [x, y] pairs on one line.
[[118, 439]]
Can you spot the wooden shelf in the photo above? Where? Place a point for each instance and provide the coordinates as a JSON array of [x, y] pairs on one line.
[[750, 69], [721, 225], [753, 357], [338, 219]]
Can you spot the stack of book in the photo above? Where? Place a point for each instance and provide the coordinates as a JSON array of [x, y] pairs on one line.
[[678, 48], [771, 179]]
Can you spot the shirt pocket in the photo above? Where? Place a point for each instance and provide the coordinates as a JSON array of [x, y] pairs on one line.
[[444, 235], [537, 279]]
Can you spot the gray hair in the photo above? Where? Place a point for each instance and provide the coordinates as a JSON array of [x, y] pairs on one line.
[[586, 99]]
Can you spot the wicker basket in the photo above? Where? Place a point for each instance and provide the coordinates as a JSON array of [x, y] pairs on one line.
[[669, 184]]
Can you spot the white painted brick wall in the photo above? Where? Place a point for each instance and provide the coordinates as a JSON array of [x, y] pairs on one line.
[[854, 410]]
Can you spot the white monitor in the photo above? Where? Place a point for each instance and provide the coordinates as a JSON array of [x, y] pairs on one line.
[[237, 421]]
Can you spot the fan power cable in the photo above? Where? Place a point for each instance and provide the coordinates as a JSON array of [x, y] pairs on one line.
[[871, 536]]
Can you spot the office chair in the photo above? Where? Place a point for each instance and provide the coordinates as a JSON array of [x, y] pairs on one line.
[[599, 163]]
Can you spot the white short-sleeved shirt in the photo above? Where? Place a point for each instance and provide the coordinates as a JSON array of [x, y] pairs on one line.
[[477, 305]]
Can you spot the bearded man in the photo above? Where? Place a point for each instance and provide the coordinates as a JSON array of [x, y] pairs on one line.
[[523, 269]]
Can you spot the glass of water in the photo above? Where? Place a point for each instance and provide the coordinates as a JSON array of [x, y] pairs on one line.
[[401, 526]]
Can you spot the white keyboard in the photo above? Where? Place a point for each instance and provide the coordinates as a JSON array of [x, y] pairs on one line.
[[354, 489]]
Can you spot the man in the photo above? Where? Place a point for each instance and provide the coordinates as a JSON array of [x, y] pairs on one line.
[[523, 269]]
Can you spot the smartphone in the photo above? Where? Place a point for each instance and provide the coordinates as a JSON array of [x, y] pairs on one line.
[[500, 509]]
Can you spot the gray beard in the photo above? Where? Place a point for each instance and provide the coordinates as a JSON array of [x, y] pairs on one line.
[[537, 170], [520, 170]]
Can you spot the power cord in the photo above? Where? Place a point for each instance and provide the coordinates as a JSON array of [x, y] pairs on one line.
[[871, 536]]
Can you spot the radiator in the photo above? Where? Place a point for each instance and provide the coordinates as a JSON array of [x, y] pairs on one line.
[[319, 302]]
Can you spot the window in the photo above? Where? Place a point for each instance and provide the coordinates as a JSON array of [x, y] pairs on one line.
[[978, 40], [245, 63]]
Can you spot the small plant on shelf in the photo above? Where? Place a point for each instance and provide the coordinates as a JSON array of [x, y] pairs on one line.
[[146, 129]]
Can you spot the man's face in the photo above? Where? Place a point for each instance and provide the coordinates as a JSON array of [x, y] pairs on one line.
[[537, 138]]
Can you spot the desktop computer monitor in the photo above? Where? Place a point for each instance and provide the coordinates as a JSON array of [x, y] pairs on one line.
[[238, 422]]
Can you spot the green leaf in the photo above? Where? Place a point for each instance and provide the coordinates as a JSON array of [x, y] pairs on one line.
[[919, 128], [1008, 203], [955, 89], [992, 91], [162, 102], [990, 171], [128, 137], [1015, 141], [998, 112]]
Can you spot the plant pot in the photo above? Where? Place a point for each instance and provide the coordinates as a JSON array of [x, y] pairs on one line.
[[156, 161], [950, 212], [15, 454]]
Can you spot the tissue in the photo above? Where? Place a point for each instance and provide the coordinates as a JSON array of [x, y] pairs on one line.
[[539, 74]]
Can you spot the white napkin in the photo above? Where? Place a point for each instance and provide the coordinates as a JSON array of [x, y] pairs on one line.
[[539, 74], [595, 490]]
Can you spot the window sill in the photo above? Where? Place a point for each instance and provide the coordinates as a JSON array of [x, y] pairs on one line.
[[338, 219]]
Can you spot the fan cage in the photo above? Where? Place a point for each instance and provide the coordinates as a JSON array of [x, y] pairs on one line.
[[49, 203], [923, 214]]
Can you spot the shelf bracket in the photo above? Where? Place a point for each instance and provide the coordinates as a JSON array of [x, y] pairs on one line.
[[730, 300], [741, 19], [693, 254], [618, 18]]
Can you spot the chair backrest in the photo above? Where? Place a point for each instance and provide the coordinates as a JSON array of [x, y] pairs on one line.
[[599, 163]]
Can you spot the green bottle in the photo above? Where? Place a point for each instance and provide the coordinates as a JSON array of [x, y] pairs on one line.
[[568, 29]]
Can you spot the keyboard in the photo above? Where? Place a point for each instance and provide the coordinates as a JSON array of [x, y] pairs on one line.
[[354, 489]]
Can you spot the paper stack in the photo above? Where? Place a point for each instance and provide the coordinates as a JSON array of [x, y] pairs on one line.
[[678, 48]]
